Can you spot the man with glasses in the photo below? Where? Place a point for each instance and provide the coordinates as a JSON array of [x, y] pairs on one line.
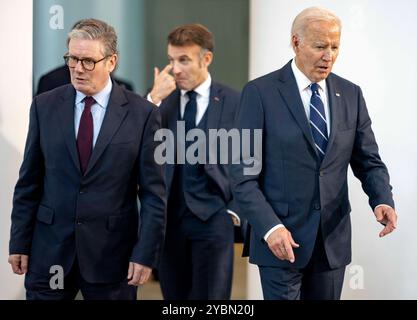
[[89, 152]]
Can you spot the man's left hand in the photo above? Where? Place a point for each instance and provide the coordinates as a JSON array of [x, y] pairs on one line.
[[388, 217], [138, 274]]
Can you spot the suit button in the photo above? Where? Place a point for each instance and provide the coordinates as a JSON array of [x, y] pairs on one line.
[[82, 191], [79, 222], [321, 173], [316, 206]]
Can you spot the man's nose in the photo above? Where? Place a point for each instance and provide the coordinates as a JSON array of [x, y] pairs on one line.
[[79, 66], [176, 69], [328, 55]]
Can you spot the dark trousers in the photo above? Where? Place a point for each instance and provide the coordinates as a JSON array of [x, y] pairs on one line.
[[317, 281], [38, 288], [197, 259]]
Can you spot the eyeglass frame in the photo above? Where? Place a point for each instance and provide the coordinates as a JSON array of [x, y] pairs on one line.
[[67, 57]]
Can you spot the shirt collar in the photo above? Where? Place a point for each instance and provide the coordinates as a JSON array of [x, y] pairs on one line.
[[101, 98], [203, 89], [303, 82]]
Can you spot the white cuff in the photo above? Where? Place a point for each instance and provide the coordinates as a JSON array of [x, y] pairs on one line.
[[234, 214], [149, 98], [272, 230]]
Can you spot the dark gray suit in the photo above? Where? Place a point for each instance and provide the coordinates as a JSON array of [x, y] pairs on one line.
[[60, 216], [294, 188]]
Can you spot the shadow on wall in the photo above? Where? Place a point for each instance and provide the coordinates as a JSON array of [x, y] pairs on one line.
[[11, 285]]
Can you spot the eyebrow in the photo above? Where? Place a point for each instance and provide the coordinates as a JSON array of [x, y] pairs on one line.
[[81, 58], [180, 57]]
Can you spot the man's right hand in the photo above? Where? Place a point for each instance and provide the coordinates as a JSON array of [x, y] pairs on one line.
[[281, 243], [163, 85], [19, 263]]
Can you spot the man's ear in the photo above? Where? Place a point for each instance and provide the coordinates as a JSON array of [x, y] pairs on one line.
[[208, 58], [295, 42], [112, 62]]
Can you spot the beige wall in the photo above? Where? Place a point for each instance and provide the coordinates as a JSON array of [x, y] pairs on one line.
[[15, 98]]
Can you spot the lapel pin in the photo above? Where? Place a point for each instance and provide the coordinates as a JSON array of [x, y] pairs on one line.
[[216, 99], [337, 94]]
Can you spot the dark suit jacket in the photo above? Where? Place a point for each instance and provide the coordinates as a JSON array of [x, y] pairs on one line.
[[61, 76], [293, 188], [59, 214], [221, 112]]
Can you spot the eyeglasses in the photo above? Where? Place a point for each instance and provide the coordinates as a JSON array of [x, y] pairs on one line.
[[88, 64]]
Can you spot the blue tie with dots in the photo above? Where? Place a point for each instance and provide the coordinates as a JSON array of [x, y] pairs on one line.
[[318, 121]]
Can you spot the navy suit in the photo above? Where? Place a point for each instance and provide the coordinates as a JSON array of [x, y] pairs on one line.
[[60, 216], [309, 197], [197, 259]]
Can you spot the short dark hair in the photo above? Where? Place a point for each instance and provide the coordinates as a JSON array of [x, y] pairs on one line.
[[189, 34]]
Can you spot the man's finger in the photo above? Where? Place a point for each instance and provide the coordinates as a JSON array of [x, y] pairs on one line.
[[144, 277], [24, 264], [290, 252], [130, 271], [292, 242], [135, 277], [155, 72], [388, 229], [167, 69]]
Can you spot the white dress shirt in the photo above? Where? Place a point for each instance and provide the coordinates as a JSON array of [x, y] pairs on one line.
[[98, 109]]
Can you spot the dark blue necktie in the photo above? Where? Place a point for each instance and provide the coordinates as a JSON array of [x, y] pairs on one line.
[[190, 111], [318, 121]]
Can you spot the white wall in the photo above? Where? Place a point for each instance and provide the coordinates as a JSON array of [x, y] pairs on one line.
[[378, 52], [15, 98]]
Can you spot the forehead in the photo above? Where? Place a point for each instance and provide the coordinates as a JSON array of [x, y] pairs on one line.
[[178, 51], [85, 48], [323, 30]]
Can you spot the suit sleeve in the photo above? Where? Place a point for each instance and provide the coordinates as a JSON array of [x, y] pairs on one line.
[[251, 202], [366, 163], [28, 190], [152, 195]]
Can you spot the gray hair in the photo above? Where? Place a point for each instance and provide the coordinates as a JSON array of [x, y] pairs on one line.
[[309, 15], [93, 29]]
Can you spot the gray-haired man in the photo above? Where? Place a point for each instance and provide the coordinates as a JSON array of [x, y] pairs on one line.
[[89, 147]]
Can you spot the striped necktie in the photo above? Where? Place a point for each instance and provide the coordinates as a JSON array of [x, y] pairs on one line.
[[318, 121]]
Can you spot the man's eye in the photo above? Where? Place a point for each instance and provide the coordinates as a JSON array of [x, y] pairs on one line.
[[88, 61]]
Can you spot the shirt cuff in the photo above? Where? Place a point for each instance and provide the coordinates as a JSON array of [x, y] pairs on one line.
[[272, 230], [383, 204], [234, 214], [148, 97]]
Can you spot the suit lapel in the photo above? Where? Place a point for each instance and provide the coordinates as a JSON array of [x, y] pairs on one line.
[[113, 118], [288, 88], [215, 108], [66, 115], [335, 104]]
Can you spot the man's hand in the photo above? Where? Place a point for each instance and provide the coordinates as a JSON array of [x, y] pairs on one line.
[[163, 84], [19, 263], [281, 243], [138, 274], [388, 217]]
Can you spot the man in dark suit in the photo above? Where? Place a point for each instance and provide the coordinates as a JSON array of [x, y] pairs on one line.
[[61, 76], [89, 152], [314, 124], [197, 259]]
